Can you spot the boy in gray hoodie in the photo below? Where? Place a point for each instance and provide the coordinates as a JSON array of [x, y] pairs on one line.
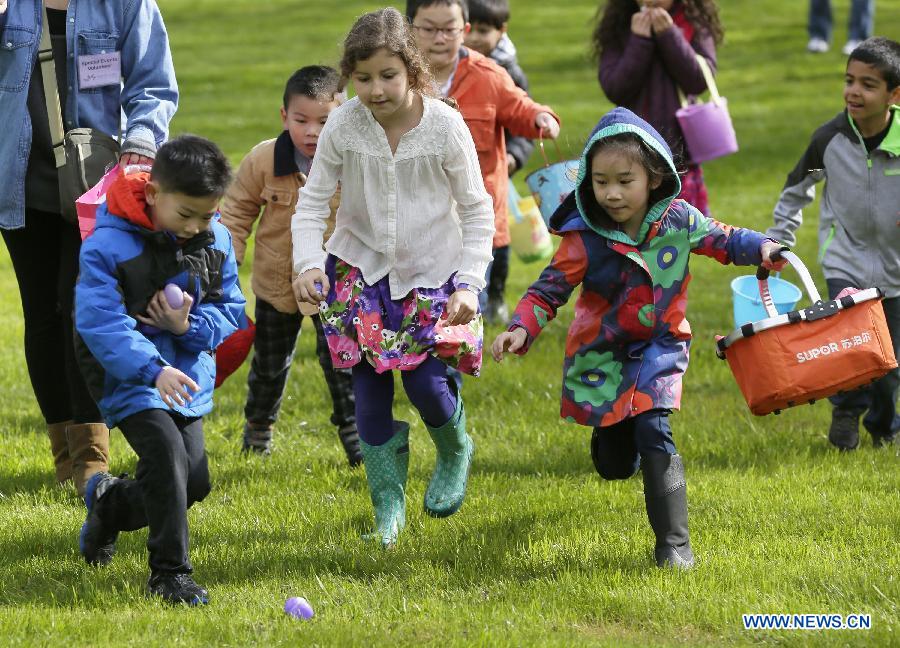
[[858, 154]]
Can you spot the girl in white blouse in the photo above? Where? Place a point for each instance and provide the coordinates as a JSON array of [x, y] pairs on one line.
[[398, 281]]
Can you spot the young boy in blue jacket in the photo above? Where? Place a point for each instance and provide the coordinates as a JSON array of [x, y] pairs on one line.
[[149, 365]]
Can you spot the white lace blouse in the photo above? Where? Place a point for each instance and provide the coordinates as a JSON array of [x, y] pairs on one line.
[[416, 216]]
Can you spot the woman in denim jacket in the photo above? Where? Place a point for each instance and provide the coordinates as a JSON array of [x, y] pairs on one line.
[[44, 247]]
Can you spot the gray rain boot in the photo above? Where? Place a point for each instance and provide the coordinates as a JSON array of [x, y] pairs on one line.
[[387, 466], [665, 494]]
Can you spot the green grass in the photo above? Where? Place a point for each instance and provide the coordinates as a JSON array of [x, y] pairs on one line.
[[544, 552]]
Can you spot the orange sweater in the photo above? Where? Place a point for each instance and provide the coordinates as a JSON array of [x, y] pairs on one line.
[[489, 102]]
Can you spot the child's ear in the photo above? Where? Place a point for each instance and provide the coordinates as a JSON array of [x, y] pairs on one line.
[[655, 184], [894, 97], [503, 28], [151, 191], [284, 118]]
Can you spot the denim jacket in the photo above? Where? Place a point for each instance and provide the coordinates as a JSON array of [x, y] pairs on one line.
[[148, 95]]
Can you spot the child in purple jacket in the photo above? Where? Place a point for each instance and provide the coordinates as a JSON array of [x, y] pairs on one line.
[[647, 51], [626, 241]]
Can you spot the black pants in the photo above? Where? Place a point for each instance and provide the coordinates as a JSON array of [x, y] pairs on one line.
[[497, 273], [617, 449], [878, 400], [172, 473], [273, 353], [44, 255]]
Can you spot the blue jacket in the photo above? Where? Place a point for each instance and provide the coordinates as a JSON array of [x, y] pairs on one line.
[[122, 265], [148, 95]]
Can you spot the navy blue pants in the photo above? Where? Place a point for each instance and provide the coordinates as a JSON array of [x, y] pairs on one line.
[[426, 386], [617, 449], [878, 400]]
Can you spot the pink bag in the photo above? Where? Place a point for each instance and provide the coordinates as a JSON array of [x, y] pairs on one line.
[[708, 132], [86, 204]]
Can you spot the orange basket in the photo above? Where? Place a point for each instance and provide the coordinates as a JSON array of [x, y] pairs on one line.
[[809, 353]]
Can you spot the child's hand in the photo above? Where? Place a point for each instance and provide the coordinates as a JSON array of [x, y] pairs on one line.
[[545, 122], [508, 342], [640, 23], [766, 250], [660, 20], [461, 307], [135, 158], [172, 383], [311, 287], [163, 316]]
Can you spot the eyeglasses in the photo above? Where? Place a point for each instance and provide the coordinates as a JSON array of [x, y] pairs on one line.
[[431, 32]]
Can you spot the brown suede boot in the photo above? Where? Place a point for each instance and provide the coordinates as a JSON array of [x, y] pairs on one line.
[[59, 447], [89, 450]]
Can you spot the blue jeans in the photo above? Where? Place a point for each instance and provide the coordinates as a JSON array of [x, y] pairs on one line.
[[617, 449], [859, 25], [879, 399]]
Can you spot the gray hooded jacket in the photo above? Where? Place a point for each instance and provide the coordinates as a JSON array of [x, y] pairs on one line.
[[859, 223]]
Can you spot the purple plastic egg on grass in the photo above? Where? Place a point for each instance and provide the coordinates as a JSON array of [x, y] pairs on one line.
[[298, 607]]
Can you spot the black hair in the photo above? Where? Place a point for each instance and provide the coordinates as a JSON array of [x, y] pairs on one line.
[[636, 149], [413, 6], [883, 54], [318, 82], [191, 165], [489, 12]]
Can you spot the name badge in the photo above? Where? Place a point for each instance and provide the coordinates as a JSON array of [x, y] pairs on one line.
[[98, 70]]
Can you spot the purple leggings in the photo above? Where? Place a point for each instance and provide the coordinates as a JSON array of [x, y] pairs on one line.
[[427, 389]]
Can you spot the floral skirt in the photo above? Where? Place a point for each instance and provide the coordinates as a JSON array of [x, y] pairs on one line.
[[363, 321]]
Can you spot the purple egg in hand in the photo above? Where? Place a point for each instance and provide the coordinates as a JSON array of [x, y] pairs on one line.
[[174, 295], [298, 607]]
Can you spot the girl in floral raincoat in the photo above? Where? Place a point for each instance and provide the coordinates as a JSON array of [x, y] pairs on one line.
[[626, 240]]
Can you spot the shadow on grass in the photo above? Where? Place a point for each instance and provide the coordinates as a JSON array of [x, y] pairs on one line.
[[28, 479]]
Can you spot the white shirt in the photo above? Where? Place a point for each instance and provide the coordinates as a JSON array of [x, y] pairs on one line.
[[417, 216]]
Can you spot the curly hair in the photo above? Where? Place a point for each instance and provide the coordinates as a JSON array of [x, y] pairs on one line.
[[614, 22], [386, 29]]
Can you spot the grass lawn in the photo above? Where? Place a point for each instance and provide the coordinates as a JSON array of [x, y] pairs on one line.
[[543, 552]]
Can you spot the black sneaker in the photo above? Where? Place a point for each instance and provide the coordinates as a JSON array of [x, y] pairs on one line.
[[844, 431], [350, 440], [96, 542], [885, 440], [258, 440], [176, 588]]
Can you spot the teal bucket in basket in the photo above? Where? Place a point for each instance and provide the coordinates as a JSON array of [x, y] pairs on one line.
[[748, 306]]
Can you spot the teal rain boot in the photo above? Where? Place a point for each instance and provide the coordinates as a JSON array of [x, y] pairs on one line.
[[447, 488], [387, 466]]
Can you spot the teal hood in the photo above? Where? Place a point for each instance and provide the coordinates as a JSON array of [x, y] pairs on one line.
[[587, 211]]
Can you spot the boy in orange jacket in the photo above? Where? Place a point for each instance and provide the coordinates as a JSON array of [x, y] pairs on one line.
[[270, 178], [487, 96]]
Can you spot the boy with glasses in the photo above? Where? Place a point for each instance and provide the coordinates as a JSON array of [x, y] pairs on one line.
[[487, 96]]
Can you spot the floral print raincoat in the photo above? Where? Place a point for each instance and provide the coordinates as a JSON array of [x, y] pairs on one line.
[[627, 348]]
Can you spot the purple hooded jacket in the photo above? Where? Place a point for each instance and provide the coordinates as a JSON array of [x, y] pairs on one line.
[[643, 78]]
